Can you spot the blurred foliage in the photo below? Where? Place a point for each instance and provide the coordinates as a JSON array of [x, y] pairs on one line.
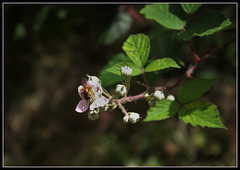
[[50, 48]]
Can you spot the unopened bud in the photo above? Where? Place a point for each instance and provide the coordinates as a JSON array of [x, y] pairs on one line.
[[134, 117], [125, 119], [93, 114], [171, 97], [121, 90], [126, 71], [158, 95]]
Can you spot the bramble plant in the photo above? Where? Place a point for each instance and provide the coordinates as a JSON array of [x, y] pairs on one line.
[[163, 104]]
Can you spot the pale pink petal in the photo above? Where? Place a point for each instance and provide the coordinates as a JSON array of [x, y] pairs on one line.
[[99, 102], [82, 106], [96, 86], [79, 88]]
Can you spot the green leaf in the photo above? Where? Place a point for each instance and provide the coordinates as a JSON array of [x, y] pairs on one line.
[[169, 16], [193, 89], [190, 8], [202, 113], [116, 69], [161, 64], [109, 79], [207, 24], [137, 48], [163, 110]]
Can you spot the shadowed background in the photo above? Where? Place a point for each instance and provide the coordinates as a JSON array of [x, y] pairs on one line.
[[50, 48]]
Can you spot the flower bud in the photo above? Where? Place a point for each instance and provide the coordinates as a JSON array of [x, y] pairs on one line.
[[158, 95], [171, 97], [93, 114], [134, 117], [126, 71], [146, 95], [121, 90], [125, 119]]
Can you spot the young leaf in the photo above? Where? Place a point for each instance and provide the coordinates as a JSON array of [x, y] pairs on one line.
[[169, 16], [116, 69], [109, 79], [161, 64], [193, 89], [163, 110], [202, 113], [190, 8], [137, 48], [207, 24]]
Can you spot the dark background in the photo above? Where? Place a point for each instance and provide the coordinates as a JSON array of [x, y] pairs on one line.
[[50, 48]]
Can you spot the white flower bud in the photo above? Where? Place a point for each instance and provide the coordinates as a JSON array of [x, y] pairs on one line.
[[125, 119], [146, 95], [158, 95], [121, 90], [126, 71], [134, 117], [171, 97], [93, 114]]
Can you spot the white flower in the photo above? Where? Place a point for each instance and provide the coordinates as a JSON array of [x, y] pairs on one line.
[[126, 71], [99, 102], [121, 90], [171, 97], [158, 95], [133, 117], [91, 93], [93, 114], [125, 119]]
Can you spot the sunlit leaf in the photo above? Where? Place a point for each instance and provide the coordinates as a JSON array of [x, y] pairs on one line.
[[161, 64], [163, 110], [137, 48], [168, 15], [201, 113]]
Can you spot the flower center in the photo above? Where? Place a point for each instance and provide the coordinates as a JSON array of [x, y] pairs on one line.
[[87, 93]]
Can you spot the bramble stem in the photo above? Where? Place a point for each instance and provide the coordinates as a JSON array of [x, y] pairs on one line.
[[121, 107]]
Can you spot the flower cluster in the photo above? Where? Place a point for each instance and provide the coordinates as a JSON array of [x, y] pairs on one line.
[[91, 93]]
